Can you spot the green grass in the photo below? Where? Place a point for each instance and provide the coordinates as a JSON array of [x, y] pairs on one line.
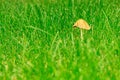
[[37, 41]]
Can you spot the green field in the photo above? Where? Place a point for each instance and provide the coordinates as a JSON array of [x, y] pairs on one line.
[[38, 42]]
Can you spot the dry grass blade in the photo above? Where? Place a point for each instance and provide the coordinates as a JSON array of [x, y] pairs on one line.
[[32, 27]]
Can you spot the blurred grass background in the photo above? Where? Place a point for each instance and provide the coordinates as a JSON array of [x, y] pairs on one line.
[[37, 41]]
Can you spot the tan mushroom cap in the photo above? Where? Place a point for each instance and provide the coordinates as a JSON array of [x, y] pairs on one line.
[[82, 24]]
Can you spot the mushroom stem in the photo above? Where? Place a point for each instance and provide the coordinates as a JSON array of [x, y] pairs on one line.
[[81, 34]]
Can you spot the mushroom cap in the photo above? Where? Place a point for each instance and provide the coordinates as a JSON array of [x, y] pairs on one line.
[[82, 24]]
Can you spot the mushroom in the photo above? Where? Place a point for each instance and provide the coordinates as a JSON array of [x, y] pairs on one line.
[[83, 25]]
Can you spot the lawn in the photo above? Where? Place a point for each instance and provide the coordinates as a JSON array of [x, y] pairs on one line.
[[38, 41]]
